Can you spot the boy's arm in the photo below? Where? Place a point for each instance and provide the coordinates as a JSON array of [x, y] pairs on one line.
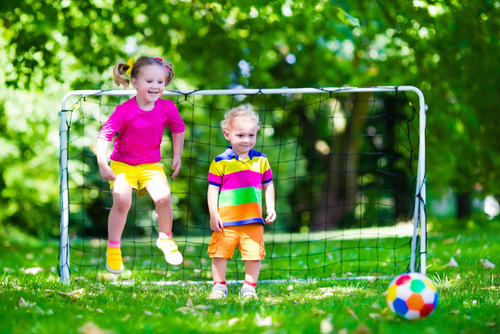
[[102, 160], [212, 199], [268, 189], [178, 143]]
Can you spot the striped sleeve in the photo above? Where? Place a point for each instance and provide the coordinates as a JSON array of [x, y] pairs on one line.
[[215, 174], [267, 174]]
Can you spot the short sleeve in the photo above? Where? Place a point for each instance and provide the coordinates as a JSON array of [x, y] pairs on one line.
[[215, 174], [175, 122], [112, 125], [267, 174]]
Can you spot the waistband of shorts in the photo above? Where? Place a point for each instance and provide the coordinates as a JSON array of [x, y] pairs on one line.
[[139, 165]]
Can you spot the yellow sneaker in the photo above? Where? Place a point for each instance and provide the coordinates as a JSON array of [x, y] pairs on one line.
[[171, 251], [114, 262]]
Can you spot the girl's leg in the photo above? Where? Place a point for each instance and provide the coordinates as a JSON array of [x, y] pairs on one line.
[[122, 199], [160, 193]]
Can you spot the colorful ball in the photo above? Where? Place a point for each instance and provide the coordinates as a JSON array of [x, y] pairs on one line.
[[412, 296]]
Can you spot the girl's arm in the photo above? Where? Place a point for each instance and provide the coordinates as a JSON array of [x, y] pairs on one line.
[[212, 198], [268, 189], [102, 160], [178, 143]]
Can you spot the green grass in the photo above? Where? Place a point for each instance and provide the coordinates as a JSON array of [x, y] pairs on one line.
[[39, 303], [371, 251]]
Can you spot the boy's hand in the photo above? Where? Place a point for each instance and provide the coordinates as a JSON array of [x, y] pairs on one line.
[[107, 173], [271, 216], [176, 164], [216, 223]]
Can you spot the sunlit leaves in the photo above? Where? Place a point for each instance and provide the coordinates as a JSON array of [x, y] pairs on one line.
[[347, 19], [445, 48]]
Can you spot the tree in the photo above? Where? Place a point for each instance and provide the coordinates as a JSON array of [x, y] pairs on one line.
[[446, 48]]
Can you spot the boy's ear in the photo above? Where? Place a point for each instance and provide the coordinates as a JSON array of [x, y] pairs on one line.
[[226, 134]]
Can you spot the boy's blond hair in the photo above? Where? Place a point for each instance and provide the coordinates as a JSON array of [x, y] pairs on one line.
[[244, 110]]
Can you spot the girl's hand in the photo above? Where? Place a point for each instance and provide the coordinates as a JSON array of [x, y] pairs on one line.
[[176, 164], [216, 223], [271, 216], [107, 173]]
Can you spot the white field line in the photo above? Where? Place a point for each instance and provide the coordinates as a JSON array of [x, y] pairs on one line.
[[401, 230]]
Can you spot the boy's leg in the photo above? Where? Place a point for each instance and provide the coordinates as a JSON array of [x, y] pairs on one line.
[[122, 199], [160, 193], [252, 252], [221, 247], [219, 266], [219, 290], [252, 271]]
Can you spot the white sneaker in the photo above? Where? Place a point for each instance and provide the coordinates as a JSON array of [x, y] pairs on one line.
[[171, 251]]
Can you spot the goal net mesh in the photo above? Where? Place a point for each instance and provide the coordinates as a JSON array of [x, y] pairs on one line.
[[344, 167]]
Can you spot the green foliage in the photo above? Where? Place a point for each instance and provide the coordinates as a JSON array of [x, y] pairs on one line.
[[446, 48], [29, 173]]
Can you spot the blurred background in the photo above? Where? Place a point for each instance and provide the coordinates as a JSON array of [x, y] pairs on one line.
[[449, 49]]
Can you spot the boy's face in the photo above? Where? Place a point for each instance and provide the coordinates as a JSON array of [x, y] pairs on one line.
[[242, 133]]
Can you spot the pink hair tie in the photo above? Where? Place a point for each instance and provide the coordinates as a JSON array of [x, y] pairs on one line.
[[161, 61]]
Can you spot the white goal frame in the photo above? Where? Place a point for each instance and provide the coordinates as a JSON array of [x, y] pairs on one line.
[[420, 191]]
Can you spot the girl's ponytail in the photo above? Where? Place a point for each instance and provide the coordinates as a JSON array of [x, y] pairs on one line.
[[170, 73], [118, 71]]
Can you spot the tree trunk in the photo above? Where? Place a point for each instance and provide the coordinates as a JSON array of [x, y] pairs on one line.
[[339, 193], [464, 205]]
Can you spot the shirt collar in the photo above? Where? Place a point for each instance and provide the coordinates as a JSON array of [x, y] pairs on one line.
[[230, 153]]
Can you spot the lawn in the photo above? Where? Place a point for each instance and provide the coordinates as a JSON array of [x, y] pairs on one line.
[[32, 300]]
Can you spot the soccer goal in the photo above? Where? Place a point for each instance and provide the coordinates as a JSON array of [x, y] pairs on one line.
[[349, 173]]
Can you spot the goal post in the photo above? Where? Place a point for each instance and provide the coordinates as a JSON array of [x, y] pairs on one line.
[[339, 142]]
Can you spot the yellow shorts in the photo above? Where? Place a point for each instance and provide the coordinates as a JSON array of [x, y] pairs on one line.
[[249, 239], [139, 176]]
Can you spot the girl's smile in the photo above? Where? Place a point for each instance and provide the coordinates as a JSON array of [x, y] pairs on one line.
[[149, 86]]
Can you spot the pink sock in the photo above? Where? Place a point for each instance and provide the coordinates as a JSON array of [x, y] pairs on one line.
[[165, 235], [114, 243]]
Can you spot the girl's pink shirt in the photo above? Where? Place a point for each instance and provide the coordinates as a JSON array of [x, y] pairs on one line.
[[140, 132]]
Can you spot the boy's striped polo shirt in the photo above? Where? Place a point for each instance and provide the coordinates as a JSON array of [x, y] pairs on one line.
[[240, 182]]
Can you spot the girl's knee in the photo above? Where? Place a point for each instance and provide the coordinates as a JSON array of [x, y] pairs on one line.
[[122, 204], [164, 199]]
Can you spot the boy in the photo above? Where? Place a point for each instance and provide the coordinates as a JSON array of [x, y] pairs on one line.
[[237, 178]]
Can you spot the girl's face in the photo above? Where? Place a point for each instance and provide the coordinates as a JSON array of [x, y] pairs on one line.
[[242, 133], [150, 85]]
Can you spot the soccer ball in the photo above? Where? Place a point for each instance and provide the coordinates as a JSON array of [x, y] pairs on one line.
[[412, 296]]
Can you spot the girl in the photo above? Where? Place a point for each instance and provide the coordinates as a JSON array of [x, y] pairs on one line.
[[135, 159]]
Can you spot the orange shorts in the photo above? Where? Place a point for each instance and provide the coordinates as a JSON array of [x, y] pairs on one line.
[[248, 238]]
